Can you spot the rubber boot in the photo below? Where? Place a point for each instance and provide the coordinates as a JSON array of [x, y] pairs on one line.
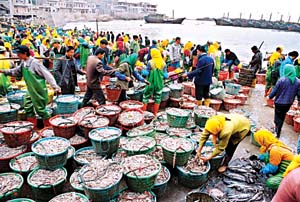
[[156, 108], [207, 102], [145, 107], [47, 123], [199, 102], [33, 120]]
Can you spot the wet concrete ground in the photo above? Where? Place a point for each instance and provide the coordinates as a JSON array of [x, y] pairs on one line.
[[263, 115]]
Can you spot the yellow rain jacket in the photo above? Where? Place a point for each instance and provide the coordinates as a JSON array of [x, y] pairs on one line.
[[229, 127], [280, 153], [4, 64], [265, 139], [294, 164]]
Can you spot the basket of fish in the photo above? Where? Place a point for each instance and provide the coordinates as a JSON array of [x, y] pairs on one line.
[[165, 94], [8, 112], [179, 132], [78, 141], [51, 152], [177, 117], [105, 140], [35, 137], [101, 179], [17, 97], [47, 132], [67, 104], [198, 196], [7, 153], [135, 94], [111, 112], [21, 200], [64, 126], [70, 196], [131, 118], [130, 196], [17, 133], [24, 163], [145, 130], [159, 136], [177, 151], [92, 122], [160, 123], [141, 172], [46, 183], [216, 161], [131, 104], [139, 145], [113, 93], [120, 156], [194, 173], [149, 116], [84, 112], [230, 104], [85, 156], [75, 181], [161, 182], [202, 114], [176, 90], [10, 185], [232, 89]]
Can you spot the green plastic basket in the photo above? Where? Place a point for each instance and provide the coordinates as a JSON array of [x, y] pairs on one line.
[[190, 179], [9, 116], [160, 189], [66, 107], [136, 95], [17, 99], [12, 193], [200, 120], [51, 161], [177, 121], [43, 193], [232, 89], [82, 197], [21, 200], [17, 158], [216, 161], [154, 196], [141, 184], [149, 132]]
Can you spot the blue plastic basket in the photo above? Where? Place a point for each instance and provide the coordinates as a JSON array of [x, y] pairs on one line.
[[18, 99], [66, 107], [232, 89]]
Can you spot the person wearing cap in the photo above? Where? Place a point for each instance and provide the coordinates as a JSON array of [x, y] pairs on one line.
[[175, 53], [230, 60], [289, 60], [58, 50], [227, 132], [94, 72], [66, 71], [35, 76], [203, 76]]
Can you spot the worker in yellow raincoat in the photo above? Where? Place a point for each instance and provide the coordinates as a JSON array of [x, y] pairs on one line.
[[230, 130]]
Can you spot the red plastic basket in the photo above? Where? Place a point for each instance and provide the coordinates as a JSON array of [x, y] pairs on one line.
[[223, 75], [65, 131], [289, 119], [4, 161], [87, 127], [129, 126], [103, 110], [15, 138], [187, 88], [112, 93], [193, 91], [242, 98], [216, 104], [261, 78], [163, 105], [230, 104], [245, 90], [82, 86], [131, 104], [297, 124]]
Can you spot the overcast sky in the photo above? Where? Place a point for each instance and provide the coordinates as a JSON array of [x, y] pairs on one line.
[[216, 8]]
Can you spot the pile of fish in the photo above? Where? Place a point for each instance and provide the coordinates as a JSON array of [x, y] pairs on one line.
[[120, 156], [163, 176], [108, 109], [140, 143], [4, 108], [47, 177], [94, 121], [101, 174], [128, 196], [179, 132], [9, 182], [47, 132], [7, 152], [207, 151], [242, 182], [123, 142], [71, 196], [63, 121], [84, 112], [188, 105], [131, 105], [67, 99], [148, 115], [195, 165], [35, 136], [141, 130], [130, 117], [105, 133], [159, 136], [19, 127], [51, 146], [25, 163], [157, 153], [195, 137], [77, 139], [205, 111], [74, 180], [140, 166], [177, 112], [86, 156], [177, 144]]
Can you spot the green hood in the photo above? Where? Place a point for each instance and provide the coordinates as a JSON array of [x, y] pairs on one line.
[[131, 60], [290, 73]]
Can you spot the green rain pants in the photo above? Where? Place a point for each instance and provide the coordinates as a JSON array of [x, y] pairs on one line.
[[274, 181], [156, 79]]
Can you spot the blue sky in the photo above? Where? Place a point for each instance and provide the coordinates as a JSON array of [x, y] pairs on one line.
[[216, 8]]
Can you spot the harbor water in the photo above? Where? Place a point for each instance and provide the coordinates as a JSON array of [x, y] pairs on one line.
[[238, 39]]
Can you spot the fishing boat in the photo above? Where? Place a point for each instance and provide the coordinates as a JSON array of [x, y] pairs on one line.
[[163, 19], [223, 22]]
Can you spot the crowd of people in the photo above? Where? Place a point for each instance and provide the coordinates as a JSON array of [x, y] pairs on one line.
[[56, 56]]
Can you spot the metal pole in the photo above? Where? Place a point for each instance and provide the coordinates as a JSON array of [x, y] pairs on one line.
[[11, 10], [97, 28]]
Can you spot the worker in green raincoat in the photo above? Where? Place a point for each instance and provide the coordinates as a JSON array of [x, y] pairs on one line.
[[84, 51], [297, 68], [157, 73], [125, 74], [35, 76]]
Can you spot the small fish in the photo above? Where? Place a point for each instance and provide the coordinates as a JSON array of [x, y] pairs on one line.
[[257, 197], [235, 176], [239, 197], [216, 193]]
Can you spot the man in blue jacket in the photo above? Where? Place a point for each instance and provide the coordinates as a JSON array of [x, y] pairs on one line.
[[203, 76]]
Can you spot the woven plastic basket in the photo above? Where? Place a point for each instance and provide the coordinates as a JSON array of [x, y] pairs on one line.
[[18, 169], [66, 129], [67, 107], [179, 120], [17, 97], [198, 196], [12, 193], [232, 89], [9, 115]]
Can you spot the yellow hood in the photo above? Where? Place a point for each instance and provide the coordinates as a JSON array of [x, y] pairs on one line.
[[215, 124], [265, 138], [293, 165], [157, 58]]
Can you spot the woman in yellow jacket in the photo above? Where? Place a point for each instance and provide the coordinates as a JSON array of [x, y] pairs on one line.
[[276, 155], [229, 130]]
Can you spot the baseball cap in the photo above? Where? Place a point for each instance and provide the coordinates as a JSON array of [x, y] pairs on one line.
[[22, 49]]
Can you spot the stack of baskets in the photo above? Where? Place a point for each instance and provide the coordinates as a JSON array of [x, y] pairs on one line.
[[246, 77]]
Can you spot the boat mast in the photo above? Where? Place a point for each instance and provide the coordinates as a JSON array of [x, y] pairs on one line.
[[250, 16], [289, 20], [262, 17], [173, 14], [270, 17], [281, 18], [240, 15], [228, 15], [299, 19]]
